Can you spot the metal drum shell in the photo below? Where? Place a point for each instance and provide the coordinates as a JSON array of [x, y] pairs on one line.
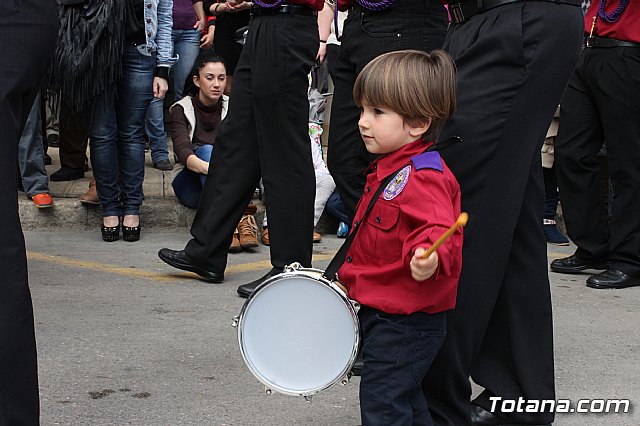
[[295, 271]]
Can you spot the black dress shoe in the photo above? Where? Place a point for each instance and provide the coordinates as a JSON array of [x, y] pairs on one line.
[[53, 140], [612, 278], [66, 173], [245, 290], [482, 417], [179, 259], [573, 264]]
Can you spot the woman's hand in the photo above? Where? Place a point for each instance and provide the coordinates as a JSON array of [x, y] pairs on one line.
[[197, 165], [322, 52], [199, 25], [242, 6], [206, 41], [160, 87], [422, 269]]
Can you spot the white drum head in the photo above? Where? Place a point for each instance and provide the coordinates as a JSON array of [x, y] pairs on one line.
[[298, 335]]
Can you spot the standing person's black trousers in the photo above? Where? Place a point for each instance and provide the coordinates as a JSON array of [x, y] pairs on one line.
[[264, 134], [602, 103], [408, 24], [513, 63], [28, 31], [74, 137]]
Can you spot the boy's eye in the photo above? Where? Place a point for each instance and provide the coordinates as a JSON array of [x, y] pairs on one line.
[[377, 111]]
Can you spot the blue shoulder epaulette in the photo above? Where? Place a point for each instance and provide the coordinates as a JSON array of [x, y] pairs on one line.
[[428, 160]]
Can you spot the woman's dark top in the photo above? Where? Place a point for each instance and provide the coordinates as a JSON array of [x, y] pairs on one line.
[[207, 122]]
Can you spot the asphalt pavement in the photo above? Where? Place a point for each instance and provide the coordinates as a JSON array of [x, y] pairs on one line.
[[124, 339]]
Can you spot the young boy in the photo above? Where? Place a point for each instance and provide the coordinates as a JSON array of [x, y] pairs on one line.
[[404, 97]]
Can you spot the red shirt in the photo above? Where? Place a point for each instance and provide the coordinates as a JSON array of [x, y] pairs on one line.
[[627, 28], [415, 209]]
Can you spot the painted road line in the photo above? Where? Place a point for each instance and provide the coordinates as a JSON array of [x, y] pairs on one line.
[[149, 275]]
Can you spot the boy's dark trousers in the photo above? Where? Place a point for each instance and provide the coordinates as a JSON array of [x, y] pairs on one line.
[[397, 351], [28, 31]]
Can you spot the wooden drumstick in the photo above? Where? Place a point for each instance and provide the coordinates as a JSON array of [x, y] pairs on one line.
[[341, 287], [462, 221]]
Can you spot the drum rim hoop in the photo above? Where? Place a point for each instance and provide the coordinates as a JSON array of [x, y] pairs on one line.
[[346, 301]]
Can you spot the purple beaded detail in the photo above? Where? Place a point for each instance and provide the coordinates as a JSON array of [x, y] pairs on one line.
[[273, 5], [615, 15], [376, 5]]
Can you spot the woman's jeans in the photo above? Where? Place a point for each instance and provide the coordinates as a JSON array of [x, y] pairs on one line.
[[117, 136], [187, 185], [186, 45], [31, 154]]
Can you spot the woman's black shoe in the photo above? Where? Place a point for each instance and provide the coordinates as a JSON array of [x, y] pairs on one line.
[[110, 233], [131, 233], [66, 173]]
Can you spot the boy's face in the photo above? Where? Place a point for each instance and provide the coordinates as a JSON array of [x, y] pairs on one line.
[[384, 130]]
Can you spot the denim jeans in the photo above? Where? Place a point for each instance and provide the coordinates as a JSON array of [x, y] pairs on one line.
[[31, 154], [551, 195], [186, 44], [117, 136], [336, 208], [187, 185]]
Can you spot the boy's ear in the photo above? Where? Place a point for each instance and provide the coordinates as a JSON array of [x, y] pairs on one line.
[[419, 128]]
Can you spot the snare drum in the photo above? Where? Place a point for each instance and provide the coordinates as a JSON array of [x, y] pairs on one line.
[[299, 333]]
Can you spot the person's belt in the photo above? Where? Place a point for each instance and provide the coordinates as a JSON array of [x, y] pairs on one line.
[[289, 9], [462, 10], [595, 41]]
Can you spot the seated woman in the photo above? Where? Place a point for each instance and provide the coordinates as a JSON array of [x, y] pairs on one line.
[[193, 127]]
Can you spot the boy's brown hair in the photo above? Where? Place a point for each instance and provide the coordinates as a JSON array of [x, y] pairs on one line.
[[415, 84]]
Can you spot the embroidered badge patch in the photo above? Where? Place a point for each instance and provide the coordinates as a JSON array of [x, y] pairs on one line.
[[397, 184]]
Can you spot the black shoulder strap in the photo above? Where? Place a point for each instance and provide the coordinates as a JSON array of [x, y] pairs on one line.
[[451, 140], [332, 270]]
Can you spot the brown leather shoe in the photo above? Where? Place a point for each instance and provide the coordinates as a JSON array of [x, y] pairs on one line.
[[265, 236], [91, 196], [250, 209], [248, 229], [235, 246], [316, 237]]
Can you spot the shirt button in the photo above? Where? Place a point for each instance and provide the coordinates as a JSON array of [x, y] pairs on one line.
[[368, 189], [378, 220], [148, 5], [149, 33], [349, 259], [148, 20]]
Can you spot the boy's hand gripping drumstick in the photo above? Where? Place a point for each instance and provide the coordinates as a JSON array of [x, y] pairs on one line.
[[462, 221]]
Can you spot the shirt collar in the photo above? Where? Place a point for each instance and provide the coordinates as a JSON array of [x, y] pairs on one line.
[[391, 162]]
